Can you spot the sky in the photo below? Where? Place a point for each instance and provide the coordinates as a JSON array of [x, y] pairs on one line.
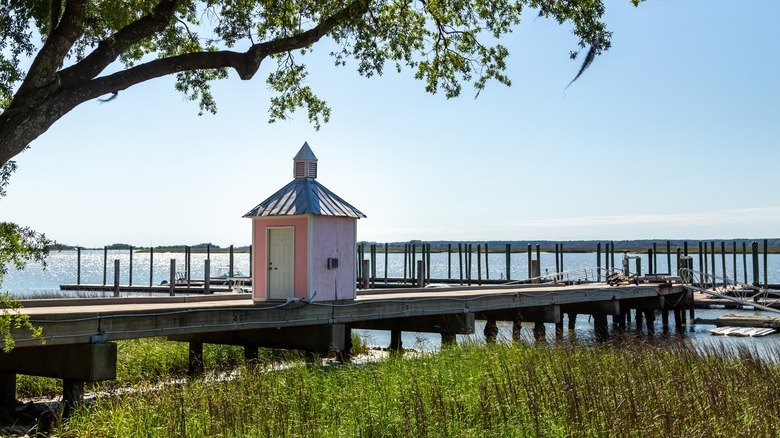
[[672, 133]]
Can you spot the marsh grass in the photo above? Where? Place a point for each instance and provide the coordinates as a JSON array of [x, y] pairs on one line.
[[468, 390]]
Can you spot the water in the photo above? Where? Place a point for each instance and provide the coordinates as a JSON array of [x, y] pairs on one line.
[[61, 269]]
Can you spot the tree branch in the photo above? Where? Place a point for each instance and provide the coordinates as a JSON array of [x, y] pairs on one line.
[[49, 59], [110, 48], [245, 64]]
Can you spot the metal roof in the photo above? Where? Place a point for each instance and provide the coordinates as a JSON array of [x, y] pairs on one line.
[[305, 153], [305, 196]]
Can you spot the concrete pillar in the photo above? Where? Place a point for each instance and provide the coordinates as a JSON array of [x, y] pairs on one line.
[[195, 364], [491, 331], [345, 355]]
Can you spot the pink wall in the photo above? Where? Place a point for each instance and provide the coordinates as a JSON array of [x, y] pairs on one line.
[[333, 237], [259, 258]]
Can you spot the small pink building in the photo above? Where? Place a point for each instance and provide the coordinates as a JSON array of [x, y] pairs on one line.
[[304, 239]]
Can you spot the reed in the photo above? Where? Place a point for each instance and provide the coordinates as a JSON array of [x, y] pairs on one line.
[[469, 390]]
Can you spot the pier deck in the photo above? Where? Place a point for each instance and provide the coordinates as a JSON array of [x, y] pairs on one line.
[[78, 331]]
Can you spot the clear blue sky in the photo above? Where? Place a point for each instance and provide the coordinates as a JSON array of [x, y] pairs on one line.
[[673, 133]]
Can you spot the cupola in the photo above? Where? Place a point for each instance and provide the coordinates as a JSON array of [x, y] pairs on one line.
[[305, 163]]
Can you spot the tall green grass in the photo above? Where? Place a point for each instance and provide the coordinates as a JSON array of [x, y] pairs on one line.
[[464, 391]]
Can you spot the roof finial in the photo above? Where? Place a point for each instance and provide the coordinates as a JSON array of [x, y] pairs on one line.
[[305, 163]]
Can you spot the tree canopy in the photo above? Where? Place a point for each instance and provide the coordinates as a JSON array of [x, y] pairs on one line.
[[57, 54]]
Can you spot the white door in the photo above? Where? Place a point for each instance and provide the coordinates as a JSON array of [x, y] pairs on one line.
[[281, 263]]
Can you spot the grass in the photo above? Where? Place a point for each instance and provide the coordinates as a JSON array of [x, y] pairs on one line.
[[465, 391]]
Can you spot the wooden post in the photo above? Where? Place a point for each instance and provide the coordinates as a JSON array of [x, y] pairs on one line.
[[650, 260], [714, 271], [612, 256], [72, 395], [654, 265], [151, 266], [734, 259], [766, 252], [601, 327], [396, 343], [207, 277], [189, 265], [428, 264], [413, 263], [754, 251], [706, 272], [539, 257], [508, 261], [8, 391], [598, 261], [685, 248], [487, 264], [539, 331], [130, 279], [208, 251], [650, 321], [172, 279], [449, 261], [530, 257], [116, 277], [230, 262], [490, 331], [469, 263], [669, 257], [387, 252], [195, 363], [562, 269], [78, 265], [677, 264], [744, 262], [701, 269], [639, 319], [105, 264], [557, 263], [460, 261], [365, 271], [479, 264], [723, 263], [406, 260]]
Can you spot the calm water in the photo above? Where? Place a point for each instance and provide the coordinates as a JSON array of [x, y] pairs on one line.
[[61, 269]]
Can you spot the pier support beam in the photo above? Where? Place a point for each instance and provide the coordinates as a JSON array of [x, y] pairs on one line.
[[250, 352], [316, 338], [490, 331], [8, 390], [601, 327], [517, 330], [396, 343], [572, 320], [650, 320], [540, 332], [72, 395], [195, 364], [448, 339]]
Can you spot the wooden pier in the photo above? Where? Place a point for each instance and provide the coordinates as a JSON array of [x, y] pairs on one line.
[[79, 332]]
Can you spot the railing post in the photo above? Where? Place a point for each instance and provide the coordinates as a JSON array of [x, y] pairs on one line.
[[207, 277], [116, 277], [172, 283]]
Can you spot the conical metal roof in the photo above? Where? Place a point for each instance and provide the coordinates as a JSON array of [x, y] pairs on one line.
[[305, 153], [305, 196]]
